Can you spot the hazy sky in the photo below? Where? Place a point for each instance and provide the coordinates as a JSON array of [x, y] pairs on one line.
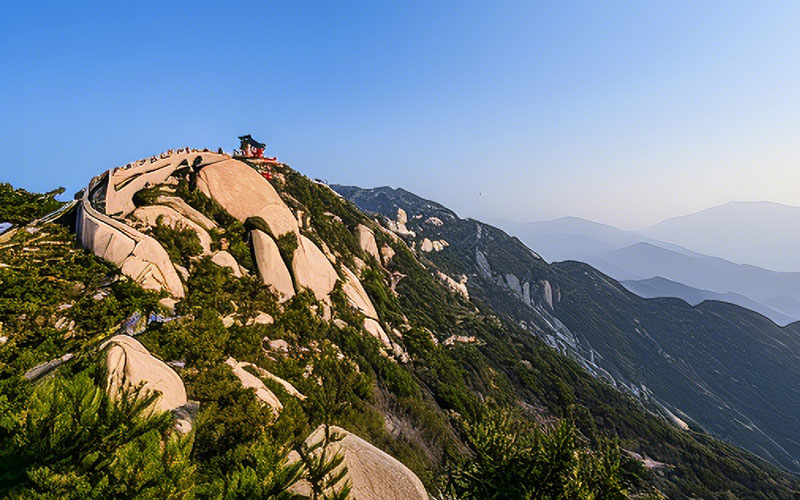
[[622, 112]]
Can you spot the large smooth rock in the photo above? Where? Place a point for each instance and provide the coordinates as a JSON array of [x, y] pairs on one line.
[[130, 364], [356, 294], [366, 239], [250, 381], [376, 330], [271, 268], [312, 269], [125, 182], [183, 208], [139, 256], [374, 474], [279, 219], [170, 217], [106, 240], [224, 259], [244, 193], [150, 266]]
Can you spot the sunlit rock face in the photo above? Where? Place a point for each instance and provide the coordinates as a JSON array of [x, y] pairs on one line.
[[366, 239], [312, 269], [244, 193], [271, 268], [374, 474], [130, 365]]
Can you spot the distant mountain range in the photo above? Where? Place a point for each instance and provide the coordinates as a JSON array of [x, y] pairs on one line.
[[760, 233], [713, 366], [662, 287], [634, 257]]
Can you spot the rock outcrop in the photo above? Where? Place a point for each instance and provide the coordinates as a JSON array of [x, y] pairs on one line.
[[374, 474], [244, 193], [434, 221], [387, 253], [289, 388], [271, 268], [130, 365], [547, 293], [433, 246], [356, 294], [399, 225], [261, 318], [123, 183], [312, 269], [187, 211], [375, 329], [151, 214], [366, 239], [224, 259], [139, 256], [456, 286], [250, 381]]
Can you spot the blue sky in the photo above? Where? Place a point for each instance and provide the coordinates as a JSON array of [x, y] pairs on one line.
[[623, 112]]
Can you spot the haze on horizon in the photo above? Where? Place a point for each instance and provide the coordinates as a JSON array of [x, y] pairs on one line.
[[625, 114]]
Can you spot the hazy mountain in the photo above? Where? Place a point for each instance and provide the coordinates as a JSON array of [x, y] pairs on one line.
[[573, 238], [715, 366], [761, 233], [662, 287], [631, 256], [701, 271], [788, 305]]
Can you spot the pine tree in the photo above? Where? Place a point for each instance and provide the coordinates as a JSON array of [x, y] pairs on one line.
[[75, 441], [513, 458]]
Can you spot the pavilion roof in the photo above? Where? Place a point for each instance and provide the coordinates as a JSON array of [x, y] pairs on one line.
[[248, 139]]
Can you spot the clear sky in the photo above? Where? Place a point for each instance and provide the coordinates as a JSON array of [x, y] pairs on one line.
[[622, 112]]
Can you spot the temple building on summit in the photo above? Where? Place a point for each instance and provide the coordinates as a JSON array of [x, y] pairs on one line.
[[250, 147]]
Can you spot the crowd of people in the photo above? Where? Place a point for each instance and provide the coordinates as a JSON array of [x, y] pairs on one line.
[[167, 154]]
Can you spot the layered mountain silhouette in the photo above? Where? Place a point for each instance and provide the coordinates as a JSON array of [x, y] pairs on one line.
[[632, 256], [760, 233], [662, 287], [715, 366]]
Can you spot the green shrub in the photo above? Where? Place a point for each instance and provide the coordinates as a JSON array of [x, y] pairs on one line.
[[513, 458], [74, 441], [181, 244], [18, 206]]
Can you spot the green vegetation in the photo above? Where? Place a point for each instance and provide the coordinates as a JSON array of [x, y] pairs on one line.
[[18, 206], [74, 441], [181, 244], [430, 413], [512, 366], [514, 459], [56, 298], [287, 244]]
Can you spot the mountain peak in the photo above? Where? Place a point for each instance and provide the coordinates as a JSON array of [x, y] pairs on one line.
[[760, 233]]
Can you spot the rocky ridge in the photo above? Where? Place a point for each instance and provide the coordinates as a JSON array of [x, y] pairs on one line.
[[111, 225], [657, 351]]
